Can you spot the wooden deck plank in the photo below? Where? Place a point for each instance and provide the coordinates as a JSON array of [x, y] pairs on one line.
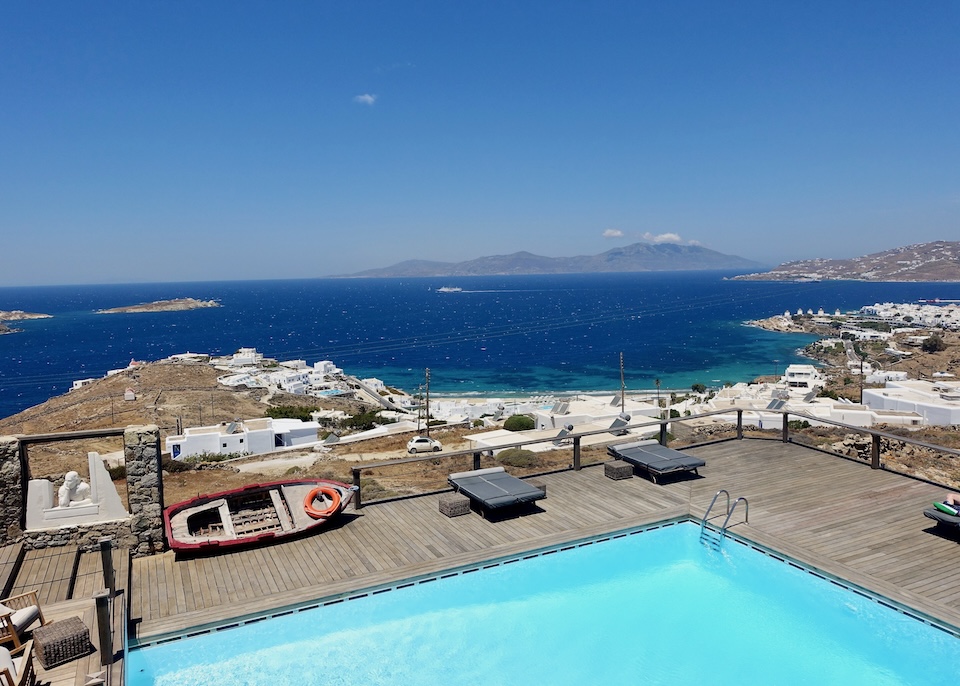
[[49, 571], [10, 557], [89, 576], [839, 513]]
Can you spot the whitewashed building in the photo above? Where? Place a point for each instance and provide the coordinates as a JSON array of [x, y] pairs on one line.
[[246, 357], [938, 403], [802, 376], [252, 436]]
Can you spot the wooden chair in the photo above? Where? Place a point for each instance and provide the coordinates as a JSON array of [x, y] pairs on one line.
[[17, 614], [17, 671]]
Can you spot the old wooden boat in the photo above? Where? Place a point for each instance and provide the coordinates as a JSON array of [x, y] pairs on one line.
[[254, 514]]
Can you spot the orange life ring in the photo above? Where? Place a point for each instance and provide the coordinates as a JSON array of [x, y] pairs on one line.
[[329, 491]]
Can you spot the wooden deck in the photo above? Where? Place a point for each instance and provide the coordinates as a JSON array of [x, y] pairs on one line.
[[846, 519], [49, 571]]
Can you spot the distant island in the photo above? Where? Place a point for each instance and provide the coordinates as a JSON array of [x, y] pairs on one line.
[[936, 261], [17, 316], [177, 305], [20, 315], [639, 257]]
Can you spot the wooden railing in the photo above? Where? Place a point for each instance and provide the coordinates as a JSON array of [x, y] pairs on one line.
[[576, 438]]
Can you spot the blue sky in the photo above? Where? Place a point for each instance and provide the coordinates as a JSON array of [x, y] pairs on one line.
[[175, 141]]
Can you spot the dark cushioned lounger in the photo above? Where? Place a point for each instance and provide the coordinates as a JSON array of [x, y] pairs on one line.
[[494, 488], [655, 459]]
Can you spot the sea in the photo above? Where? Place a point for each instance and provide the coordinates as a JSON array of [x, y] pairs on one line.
[[499, 336]]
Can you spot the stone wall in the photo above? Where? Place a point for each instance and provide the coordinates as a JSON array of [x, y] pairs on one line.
[[142, 532], [141, 452], [85, 537], [12, 492]]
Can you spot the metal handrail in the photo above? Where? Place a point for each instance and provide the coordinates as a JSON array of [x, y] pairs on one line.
[[703, 522], [746, 514], [663, 423]]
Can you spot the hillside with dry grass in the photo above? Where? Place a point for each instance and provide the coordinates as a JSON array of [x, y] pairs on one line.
[[163, 392]]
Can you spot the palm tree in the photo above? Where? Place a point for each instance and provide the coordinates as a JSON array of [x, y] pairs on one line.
[[657, 384]]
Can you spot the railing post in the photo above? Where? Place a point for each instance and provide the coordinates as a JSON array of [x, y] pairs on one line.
[[104, 628], [357, 504], [786, 427], [476, 460], [739, 425], [663, 433], [576, 453], [106, 561], [875, 452]]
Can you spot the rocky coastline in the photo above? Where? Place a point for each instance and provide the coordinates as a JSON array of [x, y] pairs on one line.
[[782, 324], [175, 305], [17, 316]]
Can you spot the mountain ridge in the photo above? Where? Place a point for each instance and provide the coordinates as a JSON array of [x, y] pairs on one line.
[[637, 257], [933, 261]]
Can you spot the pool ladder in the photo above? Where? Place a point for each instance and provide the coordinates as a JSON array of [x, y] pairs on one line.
[[715, 541]]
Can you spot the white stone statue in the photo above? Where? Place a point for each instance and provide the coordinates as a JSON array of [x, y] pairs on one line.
[[74, 492], [78, 502]]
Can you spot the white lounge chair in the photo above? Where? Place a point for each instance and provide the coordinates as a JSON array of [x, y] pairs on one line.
[[17, 614], [17, 671]]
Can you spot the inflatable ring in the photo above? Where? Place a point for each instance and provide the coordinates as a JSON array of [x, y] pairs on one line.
[[329, 491]]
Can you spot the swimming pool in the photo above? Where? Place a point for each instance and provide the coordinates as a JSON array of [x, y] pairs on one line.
[[655, 607]]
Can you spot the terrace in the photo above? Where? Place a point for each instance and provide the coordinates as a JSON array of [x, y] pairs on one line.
[[839, 515]]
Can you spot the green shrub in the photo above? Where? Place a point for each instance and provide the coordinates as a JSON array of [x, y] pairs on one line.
[[797, 424], [518, 457], [172, 466], [117, 473], [476, 423], [371, 489], [364, 421], [674, 413], [934, 344], [519, 422], [698, 388], [211, 457], [291, 412]]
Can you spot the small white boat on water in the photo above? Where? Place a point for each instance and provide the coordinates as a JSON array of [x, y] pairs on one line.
[[450, 289]]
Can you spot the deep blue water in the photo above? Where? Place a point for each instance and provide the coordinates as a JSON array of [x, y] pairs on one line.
[[501, 335]]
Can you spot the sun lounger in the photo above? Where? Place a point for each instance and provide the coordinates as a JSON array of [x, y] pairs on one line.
[[943, 519], [655, 459], [493, 488]]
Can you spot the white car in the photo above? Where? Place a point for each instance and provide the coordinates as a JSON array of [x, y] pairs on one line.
[[422, 444]]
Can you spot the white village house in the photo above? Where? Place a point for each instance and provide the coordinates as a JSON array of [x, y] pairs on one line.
[[938, 403], [252, 436]]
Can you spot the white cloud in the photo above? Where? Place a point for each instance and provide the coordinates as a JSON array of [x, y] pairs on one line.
[[613, 233], [365, 99], [662, 238]]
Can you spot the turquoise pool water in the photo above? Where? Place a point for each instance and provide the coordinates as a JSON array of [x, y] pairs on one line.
[[657, 607]]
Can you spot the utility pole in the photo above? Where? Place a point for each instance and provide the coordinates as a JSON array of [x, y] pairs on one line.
[[428, 401], [623, 386], [862, 356], [659, 411]]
